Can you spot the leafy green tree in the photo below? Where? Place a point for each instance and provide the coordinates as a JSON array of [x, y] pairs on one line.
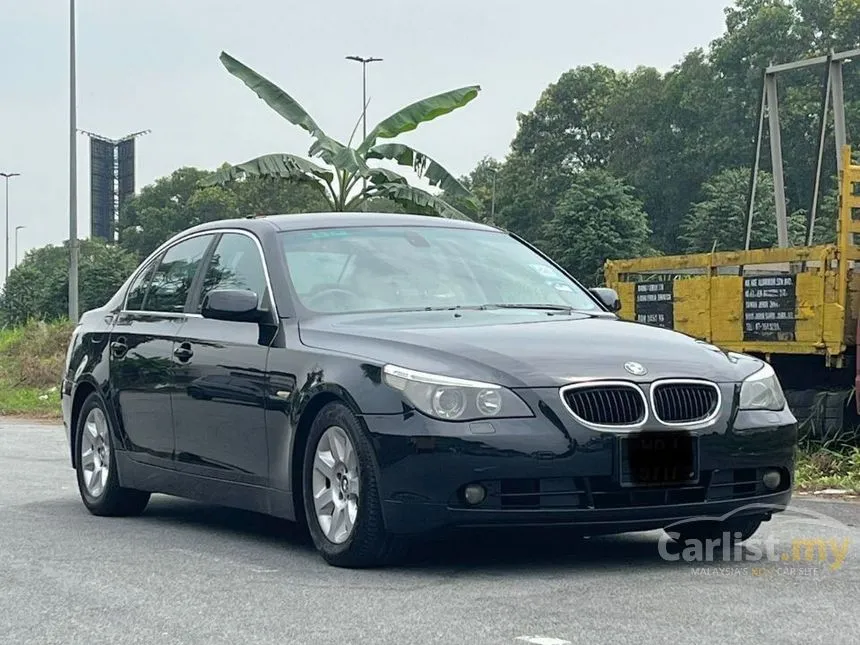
[[348, 181], [480, 182], [666, 135], [597, 219], [719, 221], [176, 202], [38, 287]]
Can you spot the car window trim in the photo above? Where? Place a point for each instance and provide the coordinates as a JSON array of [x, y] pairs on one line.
[[196, 289], [216, 233], [156, 262], [146, 268]]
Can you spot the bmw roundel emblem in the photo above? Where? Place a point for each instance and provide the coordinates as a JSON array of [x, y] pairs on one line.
[[636, 369]]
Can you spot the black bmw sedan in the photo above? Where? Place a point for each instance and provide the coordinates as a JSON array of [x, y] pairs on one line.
[[381, 376]]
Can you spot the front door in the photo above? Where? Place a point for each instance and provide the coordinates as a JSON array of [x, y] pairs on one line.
[[142, 365], [219, 403]]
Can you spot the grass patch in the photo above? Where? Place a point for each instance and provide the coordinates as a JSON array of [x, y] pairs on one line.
[[31, 368], [821, 467]]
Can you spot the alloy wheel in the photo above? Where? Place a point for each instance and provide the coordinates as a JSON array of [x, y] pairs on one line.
[[336, 484], [95, 453]]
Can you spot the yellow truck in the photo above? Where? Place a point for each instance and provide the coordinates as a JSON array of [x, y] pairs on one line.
[[797, 307]]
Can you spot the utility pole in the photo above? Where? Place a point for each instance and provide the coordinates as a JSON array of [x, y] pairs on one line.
[[73, 173], [364, 62], [7, 176], [17, 228]]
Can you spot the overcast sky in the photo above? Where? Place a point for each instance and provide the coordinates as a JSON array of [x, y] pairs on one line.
[[153, 64]]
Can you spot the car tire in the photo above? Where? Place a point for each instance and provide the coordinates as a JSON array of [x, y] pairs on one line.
[[95, 465], [739, 529], [362, 540]]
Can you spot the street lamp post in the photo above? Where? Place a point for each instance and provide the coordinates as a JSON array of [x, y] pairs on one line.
[[73, 173], [17, 228], [364, 62], [7, 176]]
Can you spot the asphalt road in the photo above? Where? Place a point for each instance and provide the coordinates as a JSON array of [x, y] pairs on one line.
[[192, 573]]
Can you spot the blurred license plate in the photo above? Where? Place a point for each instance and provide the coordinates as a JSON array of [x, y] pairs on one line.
[[659, 459]]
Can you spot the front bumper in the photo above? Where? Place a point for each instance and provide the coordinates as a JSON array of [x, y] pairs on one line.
[[547, 470]]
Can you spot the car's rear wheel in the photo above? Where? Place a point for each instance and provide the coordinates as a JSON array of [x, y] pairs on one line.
[[98, 482], [340, 493], [737, 529]]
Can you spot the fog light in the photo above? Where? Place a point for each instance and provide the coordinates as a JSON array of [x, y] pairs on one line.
[[475, 494], [771, 479]]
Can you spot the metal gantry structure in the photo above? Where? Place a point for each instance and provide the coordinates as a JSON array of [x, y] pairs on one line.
[[833, 97]]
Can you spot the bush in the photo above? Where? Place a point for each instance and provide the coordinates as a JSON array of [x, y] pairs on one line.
[[38, 288], [33, 355], [31, 368]]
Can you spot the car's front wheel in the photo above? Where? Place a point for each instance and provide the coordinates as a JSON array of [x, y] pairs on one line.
[[98, 482], [340, 493]]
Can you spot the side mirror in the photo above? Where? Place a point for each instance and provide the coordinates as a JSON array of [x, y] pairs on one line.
[[238, 305], [609, 298]]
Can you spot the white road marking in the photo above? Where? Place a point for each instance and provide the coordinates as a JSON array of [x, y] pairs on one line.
[[543, 640]]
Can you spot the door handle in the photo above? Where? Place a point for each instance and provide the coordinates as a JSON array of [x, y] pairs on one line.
[[183, 352]]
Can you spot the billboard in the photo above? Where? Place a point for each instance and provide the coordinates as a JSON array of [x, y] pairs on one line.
[[102, 191], [125, 171]]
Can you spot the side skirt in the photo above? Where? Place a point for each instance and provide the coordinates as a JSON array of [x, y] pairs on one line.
[[154, 479]]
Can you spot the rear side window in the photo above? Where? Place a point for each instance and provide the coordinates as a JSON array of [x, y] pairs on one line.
[[235, 264], [172, 280]]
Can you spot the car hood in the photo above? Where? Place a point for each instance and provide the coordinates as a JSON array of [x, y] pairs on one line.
[[522, 348]]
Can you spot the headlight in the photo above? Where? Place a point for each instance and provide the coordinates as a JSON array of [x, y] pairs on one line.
[[454, 399], [762, 391]]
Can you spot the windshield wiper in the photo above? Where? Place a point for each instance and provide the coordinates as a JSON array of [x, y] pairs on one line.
[[454, 308], [546, 307], [488, 306]]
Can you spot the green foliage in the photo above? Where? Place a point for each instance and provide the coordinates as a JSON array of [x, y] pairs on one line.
[[38, 287], [597, 219], [828, 467], [353, 182], [176, 202], [479, 182], [719, 221], [670, 136], [31, 365]]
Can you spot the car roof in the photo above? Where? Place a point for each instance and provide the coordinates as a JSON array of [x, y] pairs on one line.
[[305, 221]]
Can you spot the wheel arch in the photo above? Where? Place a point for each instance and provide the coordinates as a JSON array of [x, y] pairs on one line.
[[82, 392], [309, 411]]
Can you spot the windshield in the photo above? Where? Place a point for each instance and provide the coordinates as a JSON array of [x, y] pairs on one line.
[[414, 267]]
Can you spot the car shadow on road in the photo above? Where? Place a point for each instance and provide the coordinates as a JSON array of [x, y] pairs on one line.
[[229, 521], [551, 550], [490, 550], [546, 552]]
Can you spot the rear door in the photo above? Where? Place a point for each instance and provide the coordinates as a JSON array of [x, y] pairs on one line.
[[219, 403], [141, 349]]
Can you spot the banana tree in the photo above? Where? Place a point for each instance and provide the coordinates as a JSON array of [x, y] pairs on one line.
[[348, 181]]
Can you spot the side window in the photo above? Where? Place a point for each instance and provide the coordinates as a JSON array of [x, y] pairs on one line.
[[137, 290], [235, 264], [172, 280]]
